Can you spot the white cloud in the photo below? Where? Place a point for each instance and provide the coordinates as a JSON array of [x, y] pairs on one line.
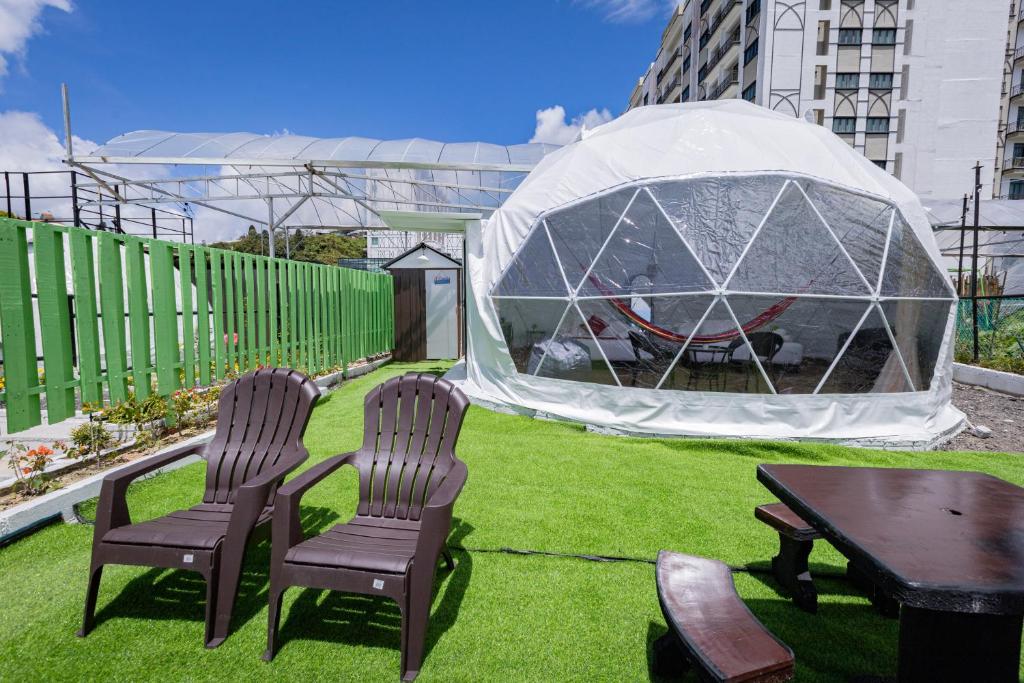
[[553, 127], [630, 11], [19, 21], [28, 145]]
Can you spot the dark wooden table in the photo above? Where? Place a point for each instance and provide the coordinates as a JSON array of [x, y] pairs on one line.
[[949, 546]]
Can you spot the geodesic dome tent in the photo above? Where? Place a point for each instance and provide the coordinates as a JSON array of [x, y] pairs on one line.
[[714, 269]]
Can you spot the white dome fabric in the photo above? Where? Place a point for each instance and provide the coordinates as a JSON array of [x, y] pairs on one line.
[[714, 269]]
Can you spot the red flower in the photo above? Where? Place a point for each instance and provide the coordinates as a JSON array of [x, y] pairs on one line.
[[26, 470]]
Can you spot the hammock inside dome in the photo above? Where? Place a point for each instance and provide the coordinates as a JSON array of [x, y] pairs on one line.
[[768, 315]]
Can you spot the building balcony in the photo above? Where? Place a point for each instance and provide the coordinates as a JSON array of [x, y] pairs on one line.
[[722, 15], [1016, 90], [822, 48], [1018, 53], [720, 52], [1014, 164], [668, 94], [668, 66], [1014, 127]]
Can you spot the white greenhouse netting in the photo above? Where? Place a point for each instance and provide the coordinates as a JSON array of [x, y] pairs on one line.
[[764, 294]]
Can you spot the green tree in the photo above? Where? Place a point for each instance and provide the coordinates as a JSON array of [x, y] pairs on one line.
[[324, 248]]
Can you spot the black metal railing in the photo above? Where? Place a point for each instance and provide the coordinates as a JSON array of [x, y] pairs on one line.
[[22, 195], [1013, 163]]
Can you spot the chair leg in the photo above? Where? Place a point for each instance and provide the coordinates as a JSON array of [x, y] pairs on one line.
[[212, 581], [91, 593], [790, 570], [449, 561], [229, 573], [414, 620], [276, 597]]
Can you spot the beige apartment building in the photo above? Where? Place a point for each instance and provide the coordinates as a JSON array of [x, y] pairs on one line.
[[917, 86]]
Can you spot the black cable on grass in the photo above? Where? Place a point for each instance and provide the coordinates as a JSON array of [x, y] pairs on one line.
[[621, 558]]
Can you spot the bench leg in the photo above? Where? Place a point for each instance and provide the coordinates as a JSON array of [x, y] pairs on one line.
[[669, 656], [791, 571], [882, 603]]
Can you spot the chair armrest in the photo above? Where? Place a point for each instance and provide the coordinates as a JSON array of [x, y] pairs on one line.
[[449, 489], [286, 527], [436, 518], [253, 495], [112, 509]]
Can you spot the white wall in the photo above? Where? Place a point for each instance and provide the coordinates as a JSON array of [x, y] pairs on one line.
[[956, 71]]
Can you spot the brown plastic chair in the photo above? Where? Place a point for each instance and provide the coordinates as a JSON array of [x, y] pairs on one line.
[[409, 479], [258, 440]]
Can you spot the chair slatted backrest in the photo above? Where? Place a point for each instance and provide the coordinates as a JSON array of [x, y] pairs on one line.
[[260, 422], [410, 427]]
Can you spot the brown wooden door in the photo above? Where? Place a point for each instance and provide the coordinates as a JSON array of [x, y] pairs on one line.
[[410, 315]]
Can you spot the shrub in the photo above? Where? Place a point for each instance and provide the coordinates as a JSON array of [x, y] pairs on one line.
[[91, 437]]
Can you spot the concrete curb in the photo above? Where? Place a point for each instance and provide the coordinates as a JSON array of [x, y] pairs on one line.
[[996, 380], [60, 503]]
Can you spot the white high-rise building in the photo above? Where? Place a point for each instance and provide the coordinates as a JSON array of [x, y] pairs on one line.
[[915, 85]]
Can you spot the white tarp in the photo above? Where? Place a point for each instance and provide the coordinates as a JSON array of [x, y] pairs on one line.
[[714, 269]]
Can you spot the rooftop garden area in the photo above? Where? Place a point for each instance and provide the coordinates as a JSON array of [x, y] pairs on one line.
[[550, 614]]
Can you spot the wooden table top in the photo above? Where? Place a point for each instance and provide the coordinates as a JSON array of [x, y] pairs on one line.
[[933, 539]]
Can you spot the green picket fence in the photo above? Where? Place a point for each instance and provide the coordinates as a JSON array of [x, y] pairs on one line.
[[141, 310]]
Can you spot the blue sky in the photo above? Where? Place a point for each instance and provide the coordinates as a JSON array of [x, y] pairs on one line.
[[455, 70]]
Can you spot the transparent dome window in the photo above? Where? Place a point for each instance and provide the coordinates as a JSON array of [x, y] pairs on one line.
[[765, 284]]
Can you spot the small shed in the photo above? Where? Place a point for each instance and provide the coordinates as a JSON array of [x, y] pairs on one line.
[[428, 304]]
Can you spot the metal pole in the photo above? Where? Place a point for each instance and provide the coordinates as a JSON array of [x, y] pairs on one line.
[[960, 263], [74, 200], [67, 121], [117, 214], [7, 183], [192, 230], [974, 259], [152, 217], [287, 245], [270, 225], [28, 197]]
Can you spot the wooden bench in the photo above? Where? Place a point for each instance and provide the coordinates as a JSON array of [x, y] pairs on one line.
[[796, 539], [711, 628]]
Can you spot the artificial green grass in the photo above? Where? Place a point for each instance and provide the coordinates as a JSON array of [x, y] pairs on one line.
[[532, 485]]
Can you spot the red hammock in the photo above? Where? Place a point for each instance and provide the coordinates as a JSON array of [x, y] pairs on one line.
[[763, 318]]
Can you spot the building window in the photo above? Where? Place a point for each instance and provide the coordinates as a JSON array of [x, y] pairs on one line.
[[880, 82], [750, 53], [880, 163], [753, 9], [704, 5], [685, 96], [850, 36], [825, 5], [878, 124], [1016, 189], [847, 81], [750, 92], [686, 64], [844, 124], [883, 36], [687, 32], [374, 241]]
